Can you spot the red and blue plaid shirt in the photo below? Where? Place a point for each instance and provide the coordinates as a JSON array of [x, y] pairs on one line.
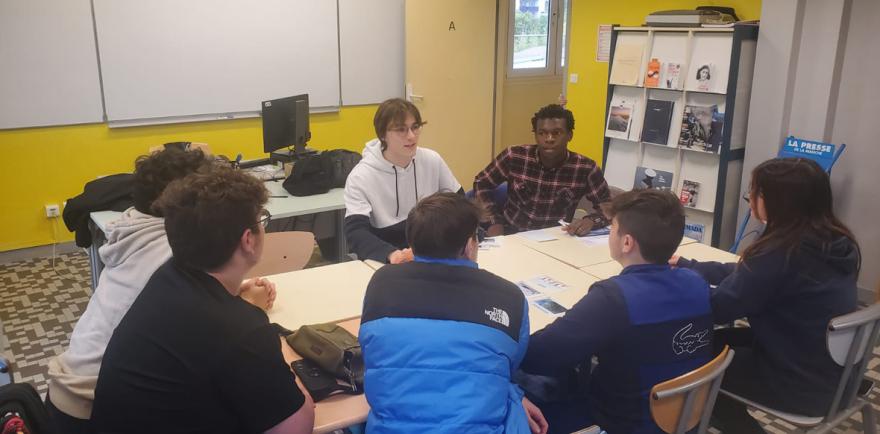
[[538, 197]]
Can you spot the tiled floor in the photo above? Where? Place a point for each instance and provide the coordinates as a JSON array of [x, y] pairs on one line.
[[39, 305]]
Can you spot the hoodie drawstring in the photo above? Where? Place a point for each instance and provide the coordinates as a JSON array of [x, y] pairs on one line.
[[396, 192], [397, 189], [416, 179]]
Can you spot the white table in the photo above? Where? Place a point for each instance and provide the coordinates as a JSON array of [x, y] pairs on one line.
[[335, 293], [323, 294], [280, 208], [696, 251], [516, 262], [574, 251], [332, 293]]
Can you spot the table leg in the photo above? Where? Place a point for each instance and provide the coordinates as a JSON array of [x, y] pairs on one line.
[[340, 236]]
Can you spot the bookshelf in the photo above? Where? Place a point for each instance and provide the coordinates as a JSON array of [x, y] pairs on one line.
[[713, 112]]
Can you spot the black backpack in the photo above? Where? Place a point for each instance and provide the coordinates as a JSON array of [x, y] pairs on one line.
[[317, 174], [310, 175], [343, 162], [22, 410]]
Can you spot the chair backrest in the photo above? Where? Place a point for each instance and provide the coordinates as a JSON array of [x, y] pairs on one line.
[[283, 252], [849, 338], [499, 195], [677, 405]]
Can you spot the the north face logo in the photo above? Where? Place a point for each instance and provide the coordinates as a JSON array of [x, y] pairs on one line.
[[682, 342], [499, 316]]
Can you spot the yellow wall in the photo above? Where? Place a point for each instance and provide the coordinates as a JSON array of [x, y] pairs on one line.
[[49, 165], [522, 98], [586, 98]]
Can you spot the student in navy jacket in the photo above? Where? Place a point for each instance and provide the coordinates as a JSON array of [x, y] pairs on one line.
[[647, 325], [441, 338], [798, 275]]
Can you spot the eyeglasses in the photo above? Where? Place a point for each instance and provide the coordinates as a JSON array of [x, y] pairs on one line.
[[545, 133], [746, 198], [265, 216], [403, 129]]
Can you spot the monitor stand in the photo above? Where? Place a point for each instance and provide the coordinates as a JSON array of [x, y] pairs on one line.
[[290, 155]]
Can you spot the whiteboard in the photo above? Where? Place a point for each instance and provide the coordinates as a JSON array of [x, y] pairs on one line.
[[172, 58], [49, 72], [371, 48]]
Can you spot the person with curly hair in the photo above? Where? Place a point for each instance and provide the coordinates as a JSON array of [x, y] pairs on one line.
[[136, 246]]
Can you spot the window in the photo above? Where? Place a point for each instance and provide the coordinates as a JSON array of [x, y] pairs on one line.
[[537, 37]]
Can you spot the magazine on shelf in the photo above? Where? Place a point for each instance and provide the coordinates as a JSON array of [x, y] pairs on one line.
[[648, 178], [620, 117], [690, 191], [696, 128], [652, 77], [658, 116], [694, 231], [715, 132], [704, 77], [671, 75], [627, 63]]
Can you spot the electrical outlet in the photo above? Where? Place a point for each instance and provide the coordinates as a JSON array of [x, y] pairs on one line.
[[52, 210]]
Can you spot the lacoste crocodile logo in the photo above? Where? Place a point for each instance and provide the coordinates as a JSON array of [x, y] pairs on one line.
[[683, 342]]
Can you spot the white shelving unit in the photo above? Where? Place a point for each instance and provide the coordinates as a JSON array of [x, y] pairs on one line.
[[731, 54]]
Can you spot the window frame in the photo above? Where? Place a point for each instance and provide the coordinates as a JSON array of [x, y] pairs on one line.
[[555, 42]]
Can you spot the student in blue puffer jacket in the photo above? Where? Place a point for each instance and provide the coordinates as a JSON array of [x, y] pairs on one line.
[[441, 338]]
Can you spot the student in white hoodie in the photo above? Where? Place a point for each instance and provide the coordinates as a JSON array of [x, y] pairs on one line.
[[388, 182], [136, 246]]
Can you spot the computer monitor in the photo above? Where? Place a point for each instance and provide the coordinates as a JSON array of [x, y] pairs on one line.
[[286, 124]]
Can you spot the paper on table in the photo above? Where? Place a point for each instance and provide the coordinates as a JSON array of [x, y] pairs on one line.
[[528, 291], [544, 284], [538, 235], [598, 240], [627, 64], [489, 243], [549, 306]]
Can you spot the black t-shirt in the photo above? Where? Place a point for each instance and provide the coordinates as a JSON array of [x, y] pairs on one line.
[[190, 357]]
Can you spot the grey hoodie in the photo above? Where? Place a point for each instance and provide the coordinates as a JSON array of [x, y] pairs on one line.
[[384, 194], [136, 246]]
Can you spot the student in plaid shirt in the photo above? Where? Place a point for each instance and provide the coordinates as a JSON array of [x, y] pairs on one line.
[[544, 181]]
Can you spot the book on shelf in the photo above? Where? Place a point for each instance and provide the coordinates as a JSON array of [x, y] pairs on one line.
[[704, 77], [620, 117], [671, 75], [648, 178], [697, 124], [694, 231], [652, 77], [658, 116], [627, 63], [716, 132], [690, 191]]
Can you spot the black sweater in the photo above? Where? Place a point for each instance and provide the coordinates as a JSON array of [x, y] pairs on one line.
[[789, 302]]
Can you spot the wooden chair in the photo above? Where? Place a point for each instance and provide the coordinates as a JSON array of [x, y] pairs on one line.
[[283, 252], [677, 405], [850, 340]]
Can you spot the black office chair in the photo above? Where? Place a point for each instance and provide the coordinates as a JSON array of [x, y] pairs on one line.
[[21, 408]]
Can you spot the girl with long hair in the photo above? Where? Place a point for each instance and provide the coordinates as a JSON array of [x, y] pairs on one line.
[[799, 274]]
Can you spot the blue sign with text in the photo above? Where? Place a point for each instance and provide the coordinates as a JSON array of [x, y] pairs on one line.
[[822, 153]]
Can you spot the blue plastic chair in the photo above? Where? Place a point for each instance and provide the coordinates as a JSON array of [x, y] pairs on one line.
[[798, 148], [499, 195]]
